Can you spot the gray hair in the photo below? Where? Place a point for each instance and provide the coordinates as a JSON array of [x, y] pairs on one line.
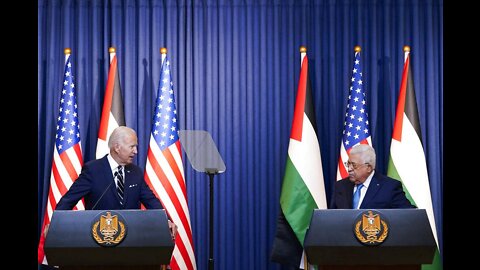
[[366, 152], [119, 134]]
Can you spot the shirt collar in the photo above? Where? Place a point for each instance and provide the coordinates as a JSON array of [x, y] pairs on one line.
[[112, 162], [369, 179]]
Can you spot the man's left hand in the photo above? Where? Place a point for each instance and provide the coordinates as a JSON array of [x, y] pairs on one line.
[[173, 229]]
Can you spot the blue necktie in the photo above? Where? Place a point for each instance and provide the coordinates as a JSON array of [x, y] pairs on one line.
[[356, 196], [119, 180]]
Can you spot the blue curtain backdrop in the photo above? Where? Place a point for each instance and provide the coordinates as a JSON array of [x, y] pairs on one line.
[[235, 67]]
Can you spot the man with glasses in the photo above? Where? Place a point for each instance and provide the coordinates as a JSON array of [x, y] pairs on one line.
[[364, 188]]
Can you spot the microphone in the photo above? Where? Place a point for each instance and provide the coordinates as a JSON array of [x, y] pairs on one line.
[[105, 191]]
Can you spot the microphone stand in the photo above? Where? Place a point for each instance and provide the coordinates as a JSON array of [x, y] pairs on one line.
[[101, 196]]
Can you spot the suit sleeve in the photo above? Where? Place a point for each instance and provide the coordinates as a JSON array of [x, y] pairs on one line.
[[333, 203], [399, 200], [148, 198], [80, 188]]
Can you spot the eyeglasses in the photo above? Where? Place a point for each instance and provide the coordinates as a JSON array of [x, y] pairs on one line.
[[354, 165]]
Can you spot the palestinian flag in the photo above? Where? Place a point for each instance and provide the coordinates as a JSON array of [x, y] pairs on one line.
[[303, 186], [113, 115], [407, 159]]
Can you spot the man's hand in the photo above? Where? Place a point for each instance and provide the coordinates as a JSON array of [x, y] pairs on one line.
[[45, 231], [173, 229]]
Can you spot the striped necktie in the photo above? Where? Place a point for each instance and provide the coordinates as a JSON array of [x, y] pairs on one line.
[[356, 196], [119, 182]]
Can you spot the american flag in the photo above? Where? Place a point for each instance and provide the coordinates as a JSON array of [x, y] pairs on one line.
[[67, 153], [164, 170], [356, 128]]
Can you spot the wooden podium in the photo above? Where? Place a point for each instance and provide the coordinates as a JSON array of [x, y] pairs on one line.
[[332, 240], [71, 241]]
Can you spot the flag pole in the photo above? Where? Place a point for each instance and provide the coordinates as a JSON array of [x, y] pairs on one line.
[[303, 53], [163, 53], [165, 115], [406, 50]]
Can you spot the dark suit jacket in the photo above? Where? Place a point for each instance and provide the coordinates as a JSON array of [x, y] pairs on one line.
[[382, 193], [94, 179]]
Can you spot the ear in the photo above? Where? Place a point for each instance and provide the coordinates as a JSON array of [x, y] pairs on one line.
[[117, 147]]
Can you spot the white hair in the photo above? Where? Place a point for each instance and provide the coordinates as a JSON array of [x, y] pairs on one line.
[[366, 152], [119, 134]]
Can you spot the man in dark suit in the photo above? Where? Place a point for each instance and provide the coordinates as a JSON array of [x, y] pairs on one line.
[[113, 182], [365, 188]]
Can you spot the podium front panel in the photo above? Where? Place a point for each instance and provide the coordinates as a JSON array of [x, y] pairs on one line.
[[331, 240], [147, 240]]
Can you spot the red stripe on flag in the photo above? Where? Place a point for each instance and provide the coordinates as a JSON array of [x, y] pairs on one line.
[[341, 168], [177, 144], [41, 252], [397, 128], [58, 180], [160, 174], [78, 152], [173, 263], [107, 104], [297, 125], [183, 250], [169, 189], [68, 165], [61, 186], [174, 166], [52, 201], [46, 219], [147, 177]]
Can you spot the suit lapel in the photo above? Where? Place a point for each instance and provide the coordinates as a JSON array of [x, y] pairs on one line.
[[373, 188], [107, 174], [127, 174]]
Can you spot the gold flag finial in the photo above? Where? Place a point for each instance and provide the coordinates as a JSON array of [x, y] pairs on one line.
[[163, 50], [303, 49], [111, 49], [67, 51], [357, 48], [406, 48]]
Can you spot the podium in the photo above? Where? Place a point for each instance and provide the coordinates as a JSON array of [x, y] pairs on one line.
[[334, 240], [143, 236]]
